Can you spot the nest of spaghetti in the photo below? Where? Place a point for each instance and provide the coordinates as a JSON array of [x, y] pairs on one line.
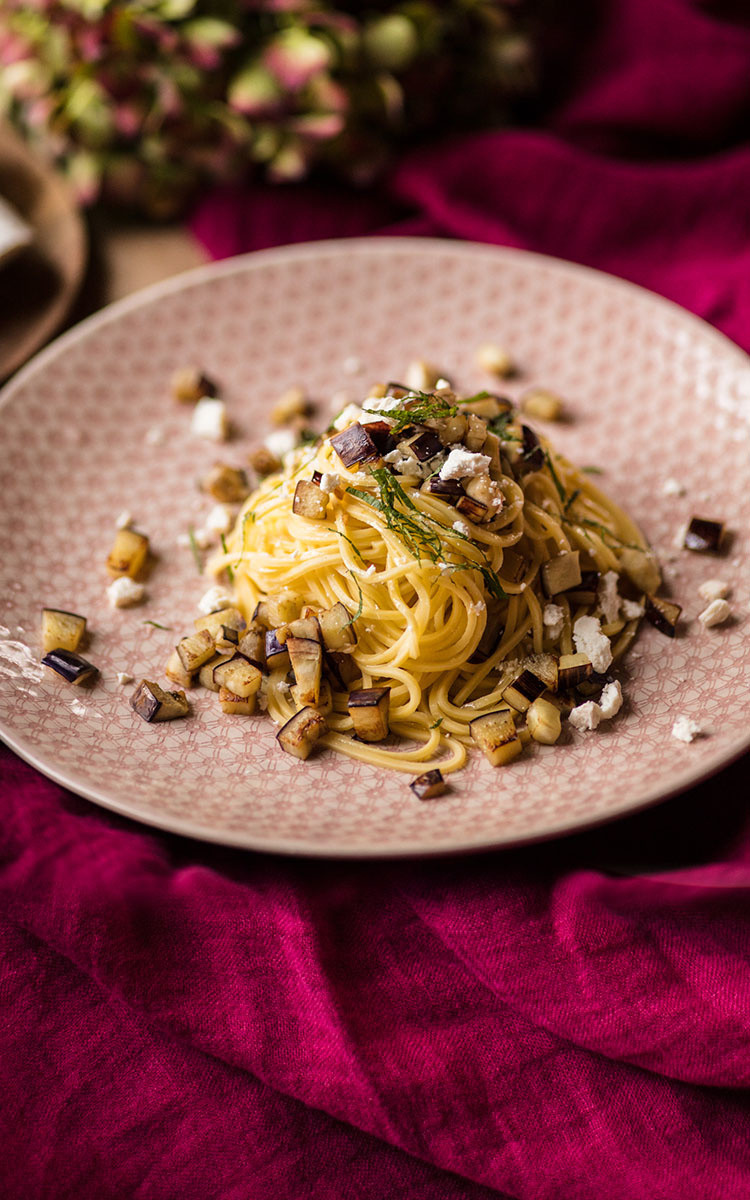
[[431, 575]]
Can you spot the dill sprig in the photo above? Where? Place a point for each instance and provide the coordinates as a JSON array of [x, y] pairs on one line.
[[437, 724], [229, 570], [156, 625], [572, 499], [556, 479], [351, 543], [358, 613], [499, 426], [415, 409], [418, 537], [604, 532], [195, 550], [592, 470]]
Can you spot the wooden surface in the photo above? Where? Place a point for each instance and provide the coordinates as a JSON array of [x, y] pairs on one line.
[[134, 254]]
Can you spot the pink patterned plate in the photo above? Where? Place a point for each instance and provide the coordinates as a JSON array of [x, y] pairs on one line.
[[88, 429]]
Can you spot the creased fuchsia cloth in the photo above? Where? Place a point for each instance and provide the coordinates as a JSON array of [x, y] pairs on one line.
[[564, 1022]]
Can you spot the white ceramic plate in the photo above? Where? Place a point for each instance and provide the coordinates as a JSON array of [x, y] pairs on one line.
[[88, 430]]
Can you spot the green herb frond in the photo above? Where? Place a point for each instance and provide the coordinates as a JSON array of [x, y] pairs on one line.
[[415, 409]]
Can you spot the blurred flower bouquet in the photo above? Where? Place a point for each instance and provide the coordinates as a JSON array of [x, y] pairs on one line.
[[141, 100]]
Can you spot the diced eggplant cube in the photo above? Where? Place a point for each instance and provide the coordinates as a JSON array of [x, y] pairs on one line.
[[70, 666], [368, 709], [189, 385], [354, 445], [252, 646], [429, 786], [153, 703], [236, 705], [513, 566], [214, 622], [195, 650], [238, 675], [306, 658], [324, 703], [128, 554], [663, 614], [572, 669], [473, 509], [278, 610], [532, 455], [543, 721], [61, 630], [382, 435], [206, 673], [489, 407], [228, 485], [341, 669], [424, 446], [264, 461], [476, 433], [302, 627], [703, 536], [544, 666], [524, 689], [449, 429], [277, 654], [336, 627], [397, 391], [562, 573], [491, 635], [495, 734], [309, 501], [227, 639], [175, 671], [586, 591], [449, 490], [301, 732]]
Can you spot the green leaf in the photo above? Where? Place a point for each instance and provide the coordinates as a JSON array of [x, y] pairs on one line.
[[416, 408], [156, 625], [229, 571], [555, 478], [195, 550]]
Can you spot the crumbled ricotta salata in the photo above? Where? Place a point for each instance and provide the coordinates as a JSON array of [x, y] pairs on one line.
[[461, 527], [124, 591], [154, 436], [589, 639], [631, 609], [610, 701], [370, 571], [329, 481], [123, 678], [586, 716], [713, 589], [463, 464], [210, 420], [608, 597], [673, 487], [553, 618], [717, 613], [124, 520], [280, 442], [346, 417], [686, 730], [214, 599], [351, 365], [220, 519]]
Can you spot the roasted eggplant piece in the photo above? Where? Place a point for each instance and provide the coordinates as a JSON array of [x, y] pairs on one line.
[[223, 618], [336, 627], [70, 666], [663, 614], [238, 675], [324, 703], [587, 590], [423, 446], [491, 635], [306, 658], [190, 384], [292, 405], [573, 669], [301, 732], [279, 610], [252, 646], [61, 630], [310, 501], [543, 721], [382, 435], [397, 391], [449, 490], [541, 403], [488, 407], [227, 640], [354, 445], [523, 690], [476, 433], [206, 673], [175, 671], [532, 455], [264, 461], [228, 485], [302, 627], [495, 734], [513, 566], [562, 573], [153, 703], [704, 536], [277, 654], [368, 709], [236, 705], [195, 650], [449, 429], [128, 554], [544, 666], [473, 509], [341, 669], [429, 786]]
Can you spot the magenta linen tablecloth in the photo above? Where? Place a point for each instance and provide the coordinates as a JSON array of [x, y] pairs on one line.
[[564, 1022]]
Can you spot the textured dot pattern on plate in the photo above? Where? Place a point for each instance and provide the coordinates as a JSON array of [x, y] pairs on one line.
[[652, 394]]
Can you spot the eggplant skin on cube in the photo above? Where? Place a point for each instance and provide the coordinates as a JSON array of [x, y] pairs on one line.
[[236, 705], [128, 554], [71, 667], [310, 501], [306, 658], [301, 732], [368, 709], [238, 676], [663, 614], [336, 627], [61, 630], [429, 786], [153, 703], [495, 734]]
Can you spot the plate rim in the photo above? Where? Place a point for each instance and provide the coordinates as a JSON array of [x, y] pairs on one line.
[[689, 777]]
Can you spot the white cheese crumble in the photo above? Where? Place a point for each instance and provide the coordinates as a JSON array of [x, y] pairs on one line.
[[404, 464], [124, 520], [154, 436], [329, 481], [220, 519], [686, 730], [214, 599], [123, 678], [590, 640], [673, 487], [124, 591], [346, 417], [370, 570], [585, 716], [382, 404], [608, 597], [351, 365], [461, 527], [631, 609], [717, 613], [463, 464], [553, 618], [713, 589], [210, 420], [610, 701], [280, 442]]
